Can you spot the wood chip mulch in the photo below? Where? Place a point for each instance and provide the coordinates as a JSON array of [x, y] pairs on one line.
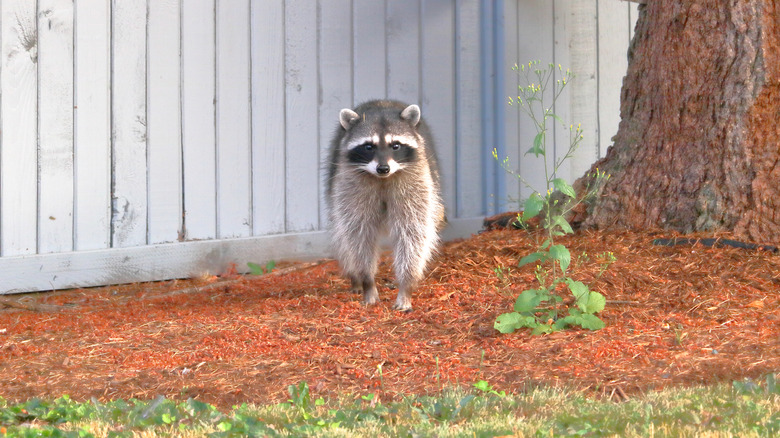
[[677, 315]]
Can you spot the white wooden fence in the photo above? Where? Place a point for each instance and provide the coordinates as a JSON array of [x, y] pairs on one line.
[[152, 139], [590, 37]]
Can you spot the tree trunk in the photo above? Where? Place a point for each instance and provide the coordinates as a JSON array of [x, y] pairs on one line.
[[698, 147]]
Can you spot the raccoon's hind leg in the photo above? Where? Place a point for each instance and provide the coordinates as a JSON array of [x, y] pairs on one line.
[[356, 247], [413, 249], [415, 237], [359, 263], [367, 287]]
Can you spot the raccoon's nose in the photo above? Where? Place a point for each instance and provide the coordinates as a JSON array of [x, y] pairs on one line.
[[383, 169]]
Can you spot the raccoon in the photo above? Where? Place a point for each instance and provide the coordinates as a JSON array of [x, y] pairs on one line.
[[383, 179]]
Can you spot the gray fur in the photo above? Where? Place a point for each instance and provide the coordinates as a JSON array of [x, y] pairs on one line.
[[406, 204]]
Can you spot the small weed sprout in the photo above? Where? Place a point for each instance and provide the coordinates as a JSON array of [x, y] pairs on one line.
[[605, 260], [542, 309], [502, 274], [256, 269]]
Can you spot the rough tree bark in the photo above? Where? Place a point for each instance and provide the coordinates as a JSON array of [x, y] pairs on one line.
[[698, 147]]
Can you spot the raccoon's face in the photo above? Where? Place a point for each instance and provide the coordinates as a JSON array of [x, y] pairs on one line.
[[382, 155], [381, 144]]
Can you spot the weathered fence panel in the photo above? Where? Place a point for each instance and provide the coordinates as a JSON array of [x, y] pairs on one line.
[[335, 75], [198, 119], [301, 157], [92, 119], [590, 38], [143, 140], [268, 118], [55, 126], [128, 122], [19, 127], [234, 152], [163, 138]]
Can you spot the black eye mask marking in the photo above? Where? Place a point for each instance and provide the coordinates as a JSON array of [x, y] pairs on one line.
[[362, 154], [404, 153]]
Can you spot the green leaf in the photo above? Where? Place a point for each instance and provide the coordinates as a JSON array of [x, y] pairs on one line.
[[538, 147], [270, 266], [483, 386], [580, 292], [560, 253], [562, 186], [225, 426], [596, 302], [587, 301], [527, 301], [533, 205], [577, 288], [255, 269], [584, 320], [563, 223], [508, 322], [560, 324], [555, 116], [531, 258], [542, 329], [591, 322]]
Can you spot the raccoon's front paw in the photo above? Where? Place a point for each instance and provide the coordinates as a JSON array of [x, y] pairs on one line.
[[370, 297], [403, 304]]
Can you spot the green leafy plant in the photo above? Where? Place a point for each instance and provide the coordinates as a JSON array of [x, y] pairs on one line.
[[256, 269], [487, 388], [542, 308]]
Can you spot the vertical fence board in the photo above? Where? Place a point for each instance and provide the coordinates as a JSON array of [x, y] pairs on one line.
[[198, 118], [92, 142], [581, 16], [164, 121], [438, 85], [128, 108], [491, 120], [515, 133], [403, 50], [268, 122], [18, 150], [562, 32], [613, 37], [335, 73], [369, 50], [233, 120], [302, 158], [469, 115], [535, 43], [55, 126]]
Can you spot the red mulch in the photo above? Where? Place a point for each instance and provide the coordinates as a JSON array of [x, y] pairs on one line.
[[679, 315]]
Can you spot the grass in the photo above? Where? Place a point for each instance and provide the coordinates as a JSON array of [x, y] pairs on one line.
[[744, 409]]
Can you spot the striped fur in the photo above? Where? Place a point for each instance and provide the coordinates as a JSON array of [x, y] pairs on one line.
[[383, 179]]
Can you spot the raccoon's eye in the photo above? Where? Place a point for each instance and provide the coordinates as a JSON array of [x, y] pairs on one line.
[[395, 145], [368, 146]]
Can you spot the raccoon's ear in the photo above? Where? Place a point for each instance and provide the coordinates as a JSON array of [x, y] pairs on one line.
[[412, 114], [347, 117]]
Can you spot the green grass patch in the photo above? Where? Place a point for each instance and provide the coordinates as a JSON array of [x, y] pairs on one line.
[[746, 408]]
